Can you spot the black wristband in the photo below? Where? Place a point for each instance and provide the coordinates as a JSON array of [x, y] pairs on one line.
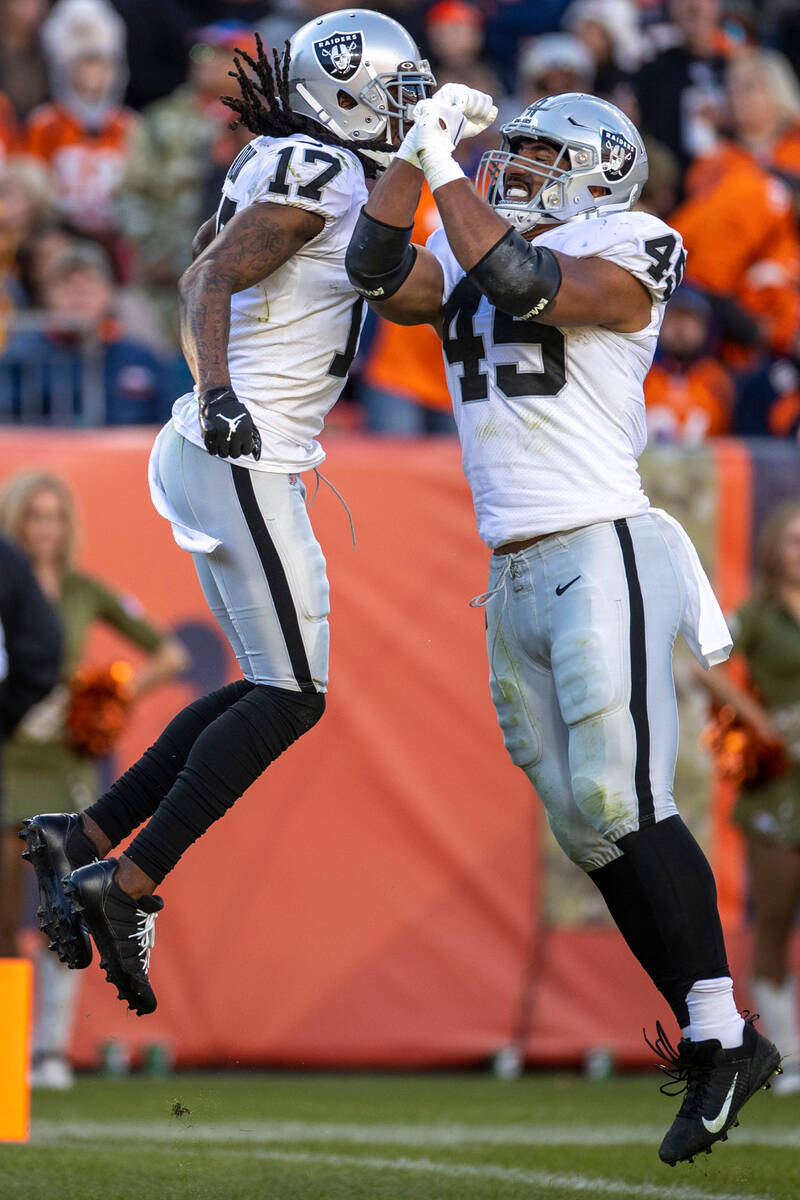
[[518, 277], [379, 258]]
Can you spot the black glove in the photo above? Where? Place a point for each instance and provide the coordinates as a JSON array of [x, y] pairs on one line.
[[228, 429]]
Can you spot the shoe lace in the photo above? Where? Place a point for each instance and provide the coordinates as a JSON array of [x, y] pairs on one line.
[[145, 934], [685, 1074]]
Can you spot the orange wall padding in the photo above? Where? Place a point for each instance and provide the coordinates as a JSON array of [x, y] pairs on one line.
[[734, 526], [16, 1012], [369, 899], [373, 899]]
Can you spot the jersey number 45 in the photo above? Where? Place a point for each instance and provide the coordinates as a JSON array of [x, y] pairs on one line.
[[463, 345]]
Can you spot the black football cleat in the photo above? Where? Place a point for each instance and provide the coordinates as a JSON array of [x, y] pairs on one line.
[[55, 845], [717, 1083], [122, 929]]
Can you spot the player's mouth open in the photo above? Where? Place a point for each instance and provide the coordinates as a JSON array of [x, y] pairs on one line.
[[518, 188]]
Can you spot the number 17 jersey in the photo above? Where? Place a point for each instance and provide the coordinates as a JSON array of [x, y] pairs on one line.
[[294, 334], [552, 421]]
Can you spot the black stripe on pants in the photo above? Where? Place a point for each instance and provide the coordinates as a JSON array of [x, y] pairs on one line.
[[638, 702], [275, 576]]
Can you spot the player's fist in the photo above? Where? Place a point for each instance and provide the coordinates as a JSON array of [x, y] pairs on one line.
[[228, 429], [437, 118], [437, 124], [478, 108]]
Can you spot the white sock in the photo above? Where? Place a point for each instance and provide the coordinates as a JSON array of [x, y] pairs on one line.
[[713, 1014], [777, 1004], [56, 989]]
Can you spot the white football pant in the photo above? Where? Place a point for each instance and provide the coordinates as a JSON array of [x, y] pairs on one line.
[[580, 631], [265, 583]]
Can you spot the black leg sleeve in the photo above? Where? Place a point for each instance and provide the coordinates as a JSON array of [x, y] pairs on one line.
[[137, 794], [674, 876], [631, 909], [225, 759]]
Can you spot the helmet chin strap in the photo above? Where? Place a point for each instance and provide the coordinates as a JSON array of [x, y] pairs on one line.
[[325, 118], [322, 115]]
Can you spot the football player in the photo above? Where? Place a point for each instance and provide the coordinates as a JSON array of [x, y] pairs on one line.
[[270, 325], [548, 292]]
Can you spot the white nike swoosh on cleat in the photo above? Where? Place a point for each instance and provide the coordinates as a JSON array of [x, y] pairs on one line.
[[722, 1116]]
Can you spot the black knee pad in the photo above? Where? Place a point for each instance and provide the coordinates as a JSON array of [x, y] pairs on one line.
[[276, 717], [303, 709]]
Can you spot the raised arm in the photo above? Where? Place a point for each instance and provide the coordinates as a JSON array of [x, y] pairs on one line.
[[253, 244], [517, 276], [401, 281]]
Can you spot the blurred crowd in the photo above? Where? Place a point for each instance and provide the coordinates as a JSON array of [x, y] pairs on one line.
[[114, 144]]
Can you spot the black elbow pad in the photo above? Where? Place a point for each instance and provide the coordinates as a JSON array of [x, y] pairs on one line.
[[518, 277], [379, 258]]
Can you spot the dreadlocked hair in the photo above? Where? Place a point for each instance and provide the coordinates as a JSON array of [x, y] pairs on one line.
[[263, 106]]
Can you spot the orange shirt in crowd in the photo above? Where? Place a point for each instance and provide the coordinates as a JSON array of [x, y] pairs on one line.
[[738, 226], [784, 414], [87, 166], [688, 406], [9, 129], [785, 155], [407, 359]]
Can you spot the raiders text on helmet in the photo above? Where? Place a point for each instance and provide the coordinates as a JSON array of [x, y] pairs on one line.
[[353, 70], [598, 147]]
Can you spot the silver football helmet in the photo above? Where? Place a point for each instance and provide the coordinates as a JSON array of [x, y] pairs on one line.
[[598, 147], [353, 71]]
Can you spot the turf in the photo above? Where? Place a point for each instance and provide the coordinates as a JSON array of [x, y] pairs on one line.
[[386, 1137]]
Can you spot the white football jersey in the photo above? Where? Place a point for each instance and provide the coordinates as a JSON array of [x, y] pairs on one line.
[[294, 335], [552, 421]]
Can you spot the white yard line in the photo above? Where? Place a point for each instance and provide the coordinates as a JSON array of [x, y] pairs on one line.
[[441, 1134], [595, 1184], [572, 1182]]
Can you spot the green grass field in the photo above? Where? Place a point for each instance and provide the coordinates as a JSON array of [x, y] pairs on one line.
[[386, 1137]]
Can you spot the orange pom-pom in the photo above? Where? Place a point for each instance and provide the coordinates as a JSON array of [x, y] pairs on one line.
[[738, 754], [99, 701]]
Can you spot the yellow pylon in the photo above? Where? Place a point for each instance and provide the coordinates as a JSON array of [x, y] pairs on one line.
[[16, 1004]]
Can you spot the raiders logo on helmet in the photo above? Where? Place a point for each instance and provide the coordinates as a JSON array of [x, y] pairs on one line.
[[617, 154], [339, 55]]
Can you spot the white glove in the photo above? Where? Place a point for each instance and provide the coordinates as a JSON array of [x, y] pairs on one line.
[[433, 123], [464, 111], [407, 150], [478, 109]]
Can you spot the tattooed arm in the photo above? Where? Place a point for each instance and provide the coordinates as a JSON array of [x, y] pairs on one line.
[[204, 236], [253, 244]]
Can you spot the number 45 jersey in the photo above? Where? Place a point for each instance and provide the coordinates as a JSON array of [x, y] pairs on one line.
[[293, 336], [552, 421]]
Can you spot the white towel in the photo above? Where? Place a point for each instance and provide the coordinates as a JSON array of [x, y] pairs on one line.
[[703, 626], [193, 540]]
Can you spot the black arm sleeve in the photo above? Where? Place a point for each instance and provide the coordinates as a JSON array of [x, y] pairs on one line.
[[518, 277], [379, 258], [31, 633]]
